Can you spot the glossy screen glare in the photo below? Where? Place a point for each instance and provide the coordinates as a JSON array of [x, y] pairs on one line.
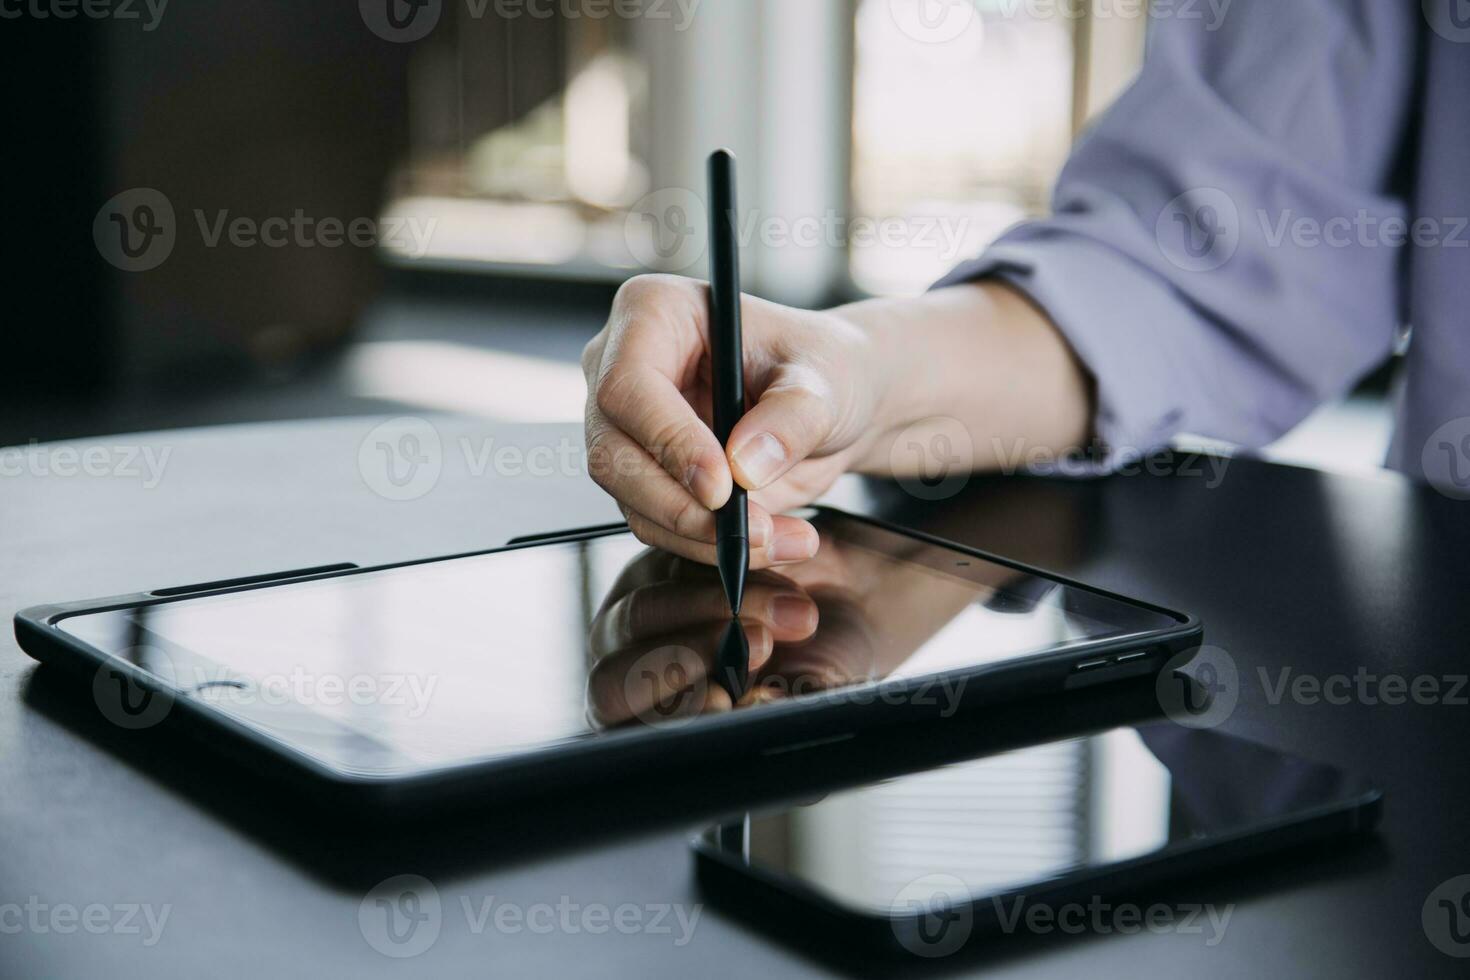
[[443, 663]]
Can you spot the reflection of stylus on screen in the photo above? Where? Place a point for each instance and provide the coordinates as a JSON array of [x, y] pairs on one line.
[[732, 661]]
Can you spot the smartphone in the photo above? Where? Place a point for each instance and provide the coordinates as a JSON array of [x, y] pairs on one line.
[[1043, 839], [569, 658]]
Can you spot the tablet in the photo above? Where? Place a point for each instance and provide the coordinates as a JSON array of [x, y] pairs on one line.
[[572, 656], [1054, 840]]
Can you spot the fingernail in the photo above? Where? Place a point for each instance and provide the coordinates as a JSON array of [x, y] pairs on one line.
[[703, 484], [760, 459], [792, 547], [792, 612]]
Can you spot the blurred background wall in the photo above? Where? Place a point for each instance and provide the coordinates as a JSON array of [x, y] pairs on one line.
[[189, 178]]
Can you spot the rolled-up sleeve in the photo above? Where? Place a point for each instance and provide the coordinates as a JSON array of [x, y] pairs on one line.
[[1225, 245]]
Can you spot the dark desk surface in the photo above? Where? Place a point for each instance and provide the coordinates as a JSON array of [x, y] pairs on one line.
[[1288, 568]]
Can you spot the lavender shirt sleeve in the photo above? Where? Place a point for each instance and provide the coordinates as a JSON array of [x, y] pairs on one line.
[[1179, 261]]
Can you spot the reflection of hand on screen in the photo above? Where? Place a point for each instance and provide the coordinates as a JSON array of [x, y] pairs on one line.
[[655, 641]]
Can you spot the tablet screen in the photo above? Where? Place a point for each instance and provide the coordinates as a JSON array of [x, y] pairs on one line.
[[446, 662], [1009, 824]]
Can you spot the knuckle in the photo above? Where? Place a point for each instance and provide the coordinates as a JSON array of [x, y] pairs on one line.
[[632, 291], [671, 439], [640, 290], [689, 519], [613, 391]]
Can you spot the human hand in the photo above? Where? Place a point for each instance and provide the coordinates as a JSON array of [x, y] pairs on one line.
[[812, 388]]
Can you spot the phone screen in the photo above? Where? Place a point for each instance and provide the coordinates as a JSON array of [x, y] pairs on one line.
[[447, 662], [1003, 827]]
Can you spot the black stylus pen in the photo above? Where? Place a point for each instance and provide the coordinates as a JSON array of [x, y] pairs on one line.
[[727, 371]]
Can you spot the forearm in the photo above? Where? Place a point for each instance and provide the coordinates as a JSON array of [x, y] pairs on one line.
[[981, 355]]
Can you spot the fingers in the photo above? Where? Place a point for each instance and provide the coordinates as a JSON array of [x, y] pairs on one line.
[[667, 678], [791, 421], [622, 468], [654, 413], [650, 448], [791, 540], [667, 607], [637, 371]]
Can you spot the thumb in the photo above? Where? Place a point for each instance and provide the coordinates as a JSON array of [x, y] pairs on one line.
[[790, 422]]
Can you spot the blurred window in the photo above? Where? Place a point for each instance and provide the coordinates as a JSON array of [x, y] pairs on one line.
[[533, 138]]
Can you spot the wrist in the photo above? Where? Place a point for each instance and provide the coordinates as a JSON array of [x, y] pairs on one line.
[[981, 354], [887, 369]]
